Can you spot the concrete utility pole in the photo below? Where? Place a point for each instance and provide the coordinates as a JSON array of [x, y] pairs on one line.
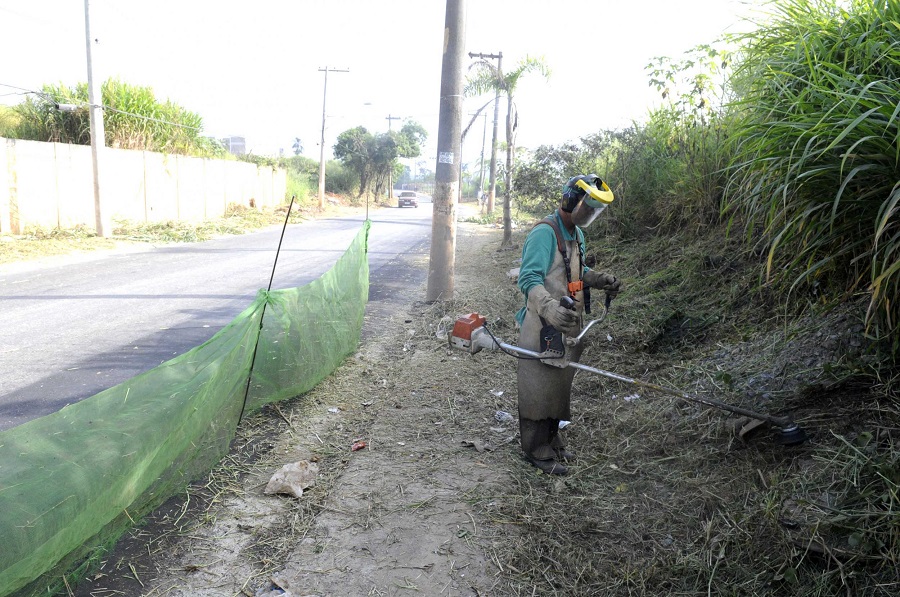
[[322, 141], [493, 180], [391, 172], [103, 221], [481, 173], [446, 184]]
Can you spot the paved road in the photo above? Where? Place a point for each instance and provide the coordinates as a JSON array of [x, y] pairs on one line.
[[71, 330]]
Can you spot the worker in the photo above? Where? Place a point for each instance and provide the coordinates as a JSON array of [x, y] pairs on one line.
[[553, 268]]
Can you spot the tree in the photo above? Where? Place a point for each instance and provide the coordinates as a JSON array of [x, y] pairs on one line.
[[297, 147], [410, 139], [487, 77], [374, 157], [352, 149]]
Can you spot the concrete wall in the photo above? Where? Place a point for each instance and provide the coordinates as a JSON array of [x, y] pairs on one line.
[[51, 185]]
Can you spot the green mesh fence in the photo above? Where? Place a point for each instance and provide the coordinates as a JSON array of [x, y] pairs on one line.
[[74, 480]]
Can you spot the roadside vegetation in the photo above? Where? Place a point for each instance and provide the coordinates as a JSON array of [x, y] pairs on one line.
[[756, 228], [794, 155], [133, 119], [756, 225]]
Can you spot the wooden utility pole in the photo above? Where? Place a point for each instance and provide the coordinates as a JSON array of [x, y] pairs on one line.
[[322, 140], [446, 184], [493, 180], [391, 172], [103, 221]]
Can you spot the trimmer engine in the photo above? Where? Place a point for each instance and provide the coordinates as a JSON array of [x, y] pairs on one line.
[[470, 335]]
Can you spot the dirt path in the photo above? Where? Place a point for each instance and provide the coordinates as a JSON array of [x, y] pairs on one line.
[[395, 518]]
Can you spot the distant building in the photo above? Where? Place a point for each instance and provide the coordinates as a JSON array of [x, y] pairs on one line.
[[235, 145]]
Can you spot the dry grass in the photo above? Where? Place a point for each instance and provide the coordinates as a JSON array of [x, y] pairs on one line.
[[664, 499], [38, 242]]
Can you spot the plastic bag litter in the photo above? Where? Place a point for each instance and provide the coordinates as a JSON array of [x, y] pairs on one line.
[[444, 327], [503, 416], [293, 478]]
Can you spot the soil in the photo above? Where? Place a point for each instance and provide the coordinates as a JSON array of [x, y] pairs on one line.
[[663, 499]]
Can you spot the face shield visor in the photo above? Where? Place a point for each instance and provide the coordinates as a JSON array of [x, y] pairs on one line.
[[592, 204]]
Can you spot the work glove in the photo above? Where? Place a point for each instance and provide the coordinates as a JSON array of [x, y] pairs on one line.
[[606, 282], [564, 320]]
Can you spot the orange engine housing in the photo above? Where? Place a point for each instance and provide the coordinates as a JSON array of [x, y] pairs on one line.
[[467, 324]]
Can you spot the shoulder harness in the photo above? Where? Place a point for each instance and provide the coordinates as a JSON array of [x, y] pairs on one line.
[[561, 246]]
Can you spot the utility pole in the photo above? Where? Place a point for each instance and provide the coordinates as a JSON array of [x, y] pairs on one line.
[[446, 184], [322, 141], [103, 221], [493, 180], [481, 174], [391, 171]]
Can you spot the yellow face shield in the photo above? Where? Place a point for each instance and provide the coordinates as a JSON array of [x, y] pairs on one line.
[[595, 200]]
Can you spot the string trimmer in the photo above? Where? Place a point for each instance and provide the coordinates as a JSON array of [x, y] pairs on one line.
[[470, 333]]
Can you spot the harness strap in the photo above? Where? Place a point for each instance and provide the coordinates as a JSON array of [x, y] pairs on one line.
[[572, 287]]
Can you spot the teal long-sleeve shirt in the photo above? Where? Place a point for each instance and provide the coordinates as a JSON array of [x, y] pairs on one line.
[[537, 257]]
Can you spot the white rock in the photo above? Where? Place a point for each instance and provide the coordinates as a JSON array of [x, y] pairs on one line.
[[293, 478]]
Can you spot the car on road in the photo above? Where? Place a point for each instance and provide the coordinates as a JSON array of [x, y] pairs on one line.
[[408, 199]]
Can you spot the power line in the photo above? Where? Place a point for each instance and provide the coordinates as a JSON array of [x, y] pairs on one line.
[[196, 128], [29, 17], [20, 88]]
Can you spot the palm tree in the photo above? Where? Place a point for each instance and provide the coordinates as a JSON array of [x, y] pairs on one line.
[[487, 77]]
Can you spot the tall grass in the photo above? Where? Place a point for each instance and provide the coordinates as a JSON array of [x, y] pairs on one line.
[[134, 119], [817, 162]]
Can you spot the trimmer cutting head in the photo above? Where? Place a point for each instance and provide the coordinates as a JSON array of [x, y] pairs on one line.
[[792, 435]]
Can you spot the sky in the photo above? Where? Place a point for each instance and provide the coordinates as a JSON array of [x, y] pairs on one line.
[[254, 68]]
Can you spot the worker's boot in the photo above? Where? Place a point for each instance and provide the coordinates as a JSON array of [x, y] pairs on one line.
[[536, 445], [558, 443]]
